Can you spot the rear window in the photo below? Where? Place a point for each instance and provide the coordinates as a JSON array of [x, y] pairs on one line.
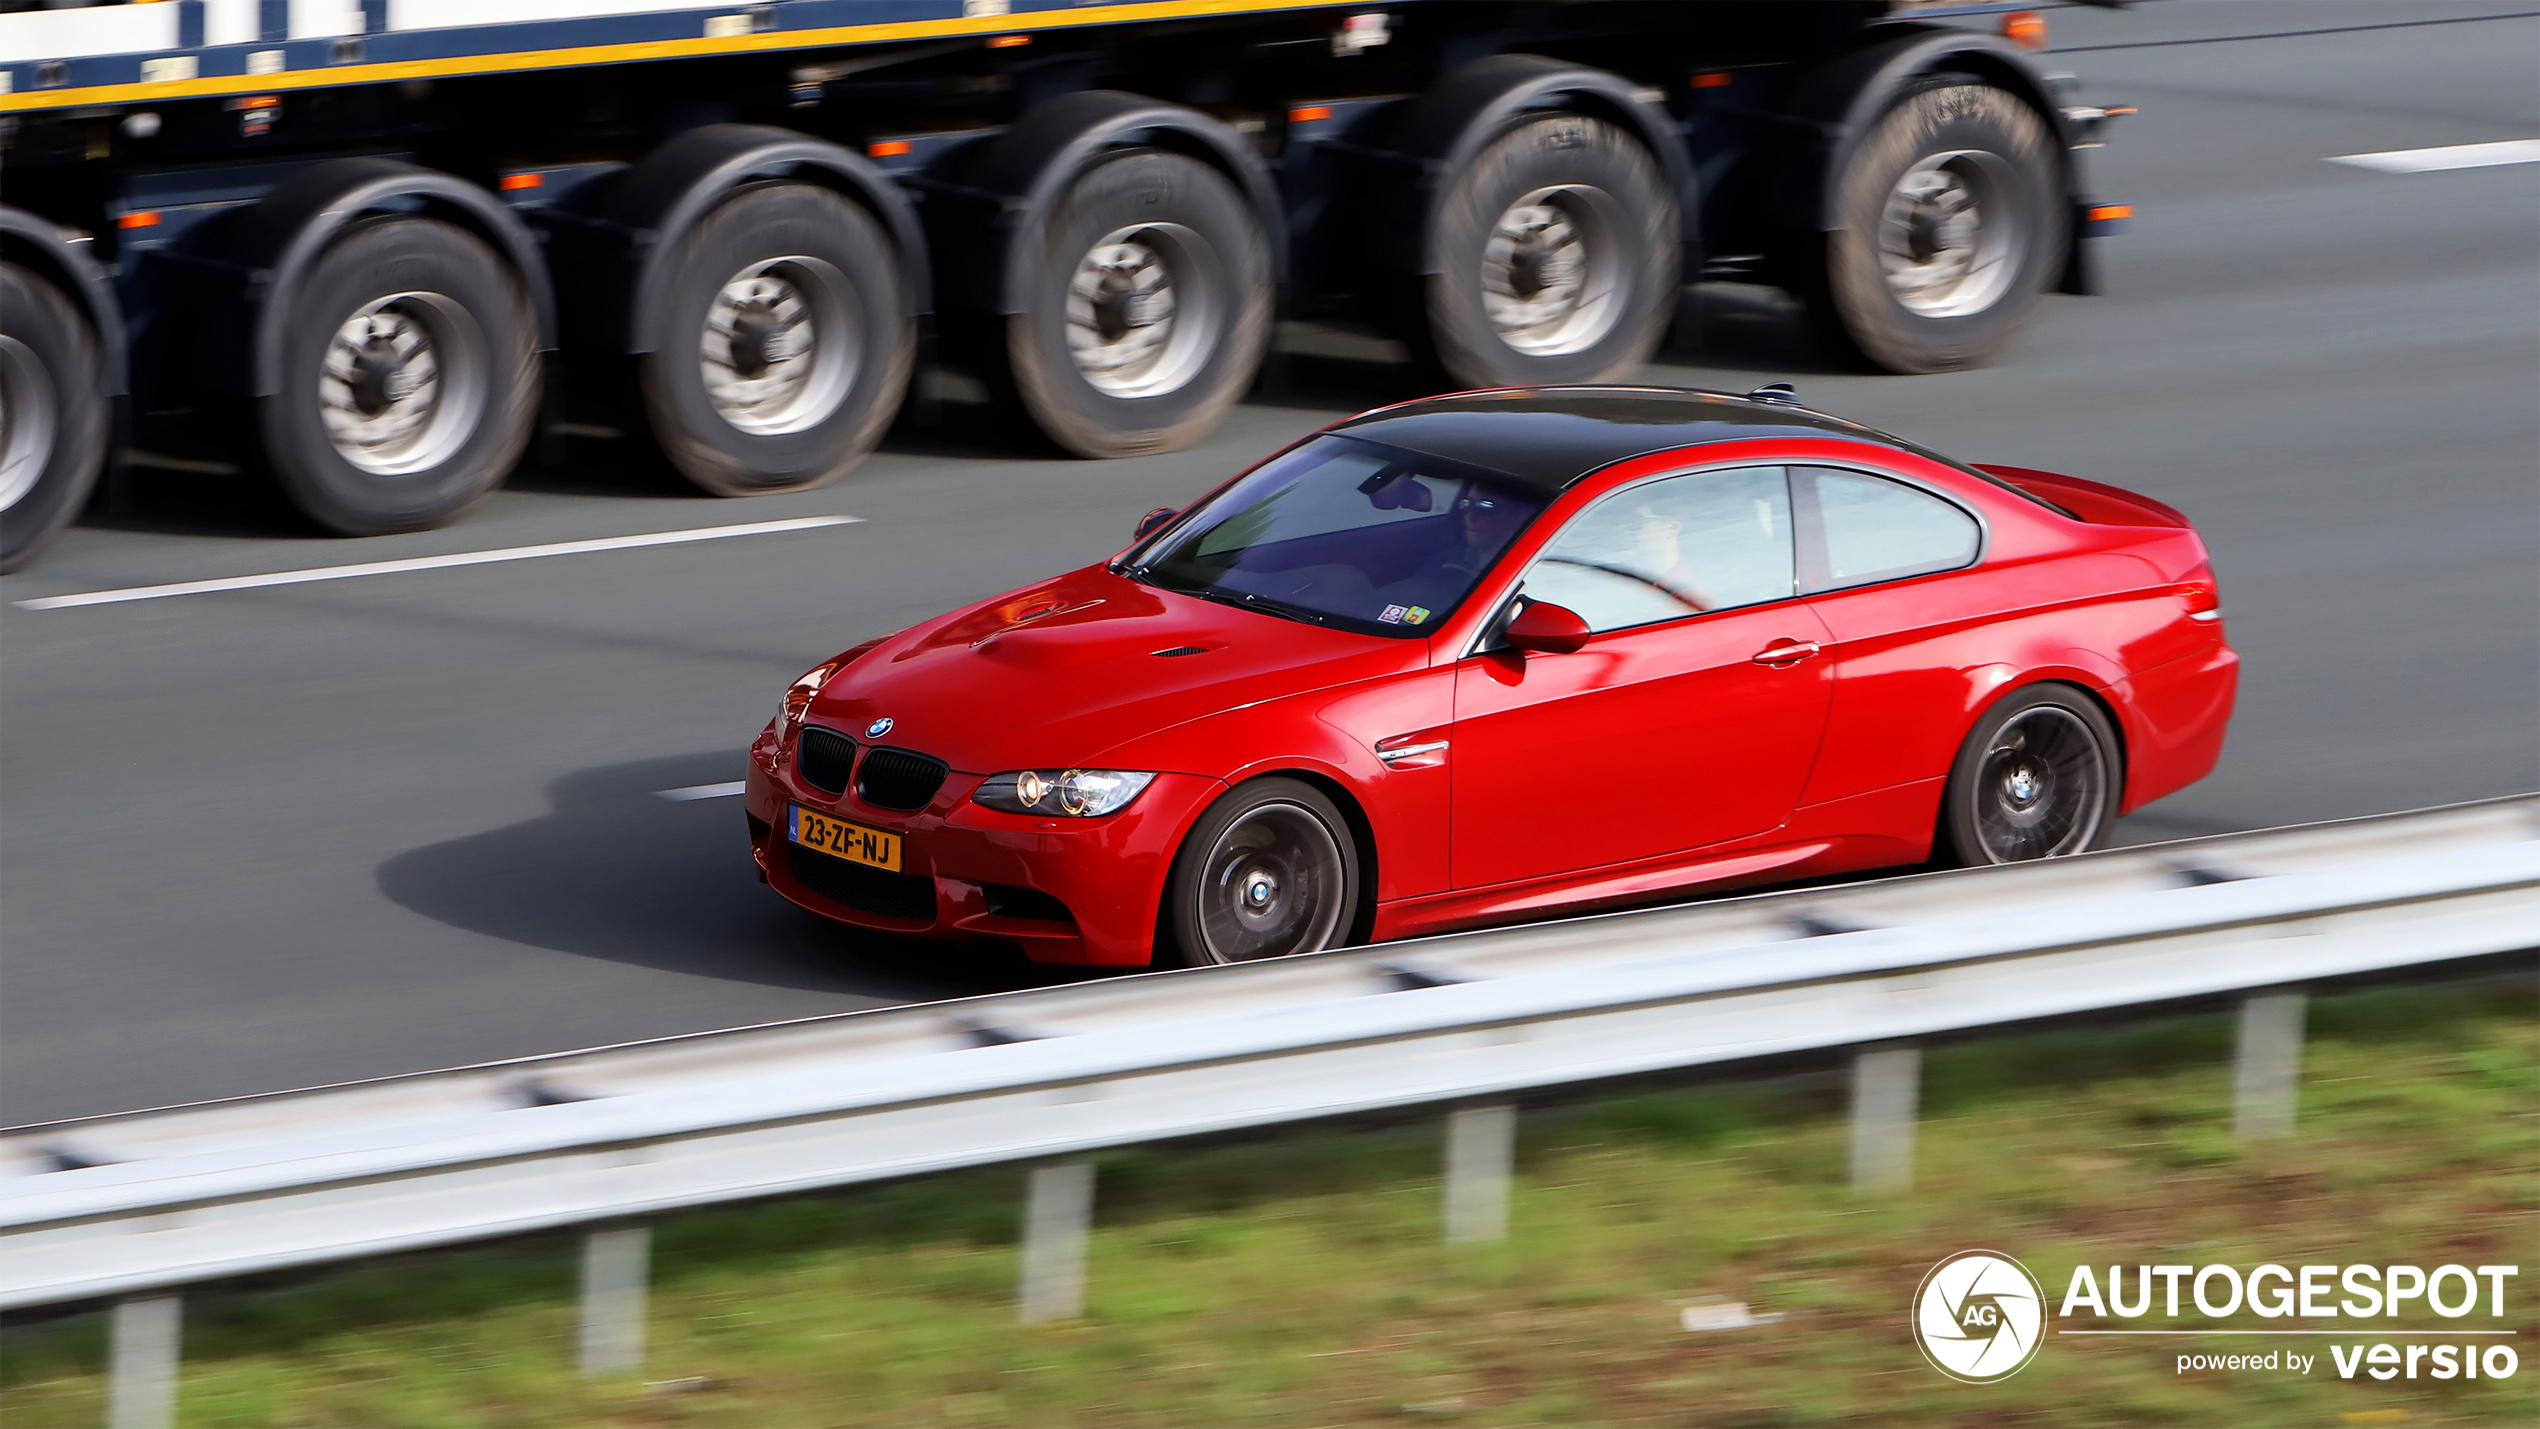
[[1872, 529]]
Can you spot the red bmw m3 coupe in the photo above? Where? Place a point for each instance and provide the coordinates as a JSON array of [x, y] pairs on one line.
[[1486, 656]]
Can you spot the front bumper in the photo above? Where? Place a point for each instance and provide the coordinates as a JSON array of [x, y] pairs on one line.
[[991, 875]]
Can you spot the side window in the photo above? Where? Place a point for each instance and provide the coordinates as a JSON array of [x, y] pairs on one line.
[[1870, 529], [1672, 548]]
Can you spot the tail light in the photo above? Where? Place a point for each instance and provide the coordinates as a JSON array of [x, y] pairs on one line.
[[2204, 602]]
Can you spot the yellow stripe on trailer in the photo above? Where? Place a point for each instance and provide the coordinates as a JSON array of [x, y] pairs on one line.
[[580, 56]]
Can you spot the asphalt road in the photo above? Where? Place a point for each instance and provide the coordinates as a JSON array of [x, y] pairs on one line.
[[274, 837]]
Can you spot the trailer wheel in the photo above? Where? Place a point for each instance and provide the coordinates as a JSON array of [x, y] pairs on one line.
[[1557, 258], [1148, 310], [409, 378], [786, 350], [1949, 227], [52, 414]]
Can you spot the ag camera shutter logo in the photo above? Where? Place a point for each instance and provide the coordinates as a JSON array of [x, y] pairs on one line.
[[1979, 1316]]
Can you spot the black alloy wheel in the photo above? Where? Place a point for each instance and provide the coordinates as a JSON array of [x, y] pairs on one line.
[[1268, 871], [409, 378], [2039, 777], [787, 343], [52, 414]]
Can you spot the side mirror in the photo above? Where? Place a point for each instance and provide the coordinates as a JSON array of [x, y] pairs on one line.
[[1543, 628], [1153, 519]]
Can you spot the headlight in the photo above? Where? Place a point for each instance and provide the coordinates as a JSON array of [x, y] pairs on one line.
[[1070, 793]]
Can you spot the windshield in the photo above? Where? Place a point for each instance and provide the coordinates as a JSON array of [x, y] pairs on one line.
[[1345, 532]]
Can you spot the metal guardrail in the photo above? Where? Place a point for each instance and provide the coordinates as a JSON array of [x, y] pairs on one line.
[[130, 1204], [164, 1198]]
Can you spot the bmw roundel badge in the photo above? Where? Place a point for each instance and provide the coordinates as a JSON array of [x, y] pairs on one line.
[[878, 728]]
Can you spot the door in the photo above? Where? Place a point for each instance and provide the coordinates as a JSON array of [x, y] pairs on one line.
[[1691, 716]]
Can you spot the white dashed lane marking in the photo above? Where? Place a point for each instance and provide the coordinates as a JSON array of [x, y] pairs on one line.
[[434, 563], [2450, 156], [701, 791]]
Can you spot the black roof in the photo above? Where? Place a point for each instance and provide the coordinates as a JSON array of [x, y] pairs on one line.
[[1549, 437]]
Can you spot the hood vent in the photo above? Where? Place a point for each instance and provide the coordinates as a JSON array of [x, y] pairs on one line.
[[1180, 650]]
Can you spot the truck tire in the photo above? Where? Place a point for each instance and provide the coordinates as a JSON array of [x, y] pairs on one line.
[[52, 414], [1148, 309], [1557, 254], [408, 379], [786, 351], [1949, 225]]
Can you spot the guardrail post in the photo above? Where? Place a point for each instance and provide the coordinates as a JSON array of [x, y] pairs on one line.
[[141, 1383], [1057, 1215], [2266, 1076], [1481, 1147], [1886, 1097], [616, 1264]]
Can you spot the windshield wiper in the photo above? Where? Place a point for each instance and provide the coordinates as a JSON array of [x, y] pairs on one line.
[[1281, 607], [1245, 601]]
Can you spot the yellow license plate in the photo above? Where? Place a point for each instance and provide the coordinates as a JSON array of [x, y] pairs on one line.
[[853, 842]]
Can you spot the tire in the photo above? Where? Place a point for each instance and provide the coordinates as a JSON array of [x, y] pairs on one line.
[[1559, 259], [52, 414], [2040, 776], [788, 343], [1279, 839], [357, 456], [1148, 309], [1897, 284]]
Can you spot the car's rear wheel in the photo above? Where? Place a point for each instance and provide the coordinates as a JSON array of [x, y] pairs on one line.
[[1268, 871], [2039, 777]]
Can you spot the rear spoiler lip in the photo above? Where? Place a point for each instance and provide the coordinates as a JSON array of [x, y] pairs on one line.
[[2095, 502]]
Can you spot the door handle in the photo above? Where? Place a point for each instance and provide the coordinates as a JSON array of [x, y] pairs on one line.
[[1786, 652]]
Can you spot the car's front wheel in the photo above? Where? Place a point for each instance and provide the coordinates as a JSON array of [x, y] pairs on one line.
[[2038, 777], [1268, 871]]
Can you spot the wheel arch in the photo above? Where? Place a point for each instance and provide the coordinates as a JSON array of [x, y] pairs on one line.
[[287, 231], [683, 181], [1030, 166], [1446, 129], [1837, 104], [2081, 682], [39, 246]]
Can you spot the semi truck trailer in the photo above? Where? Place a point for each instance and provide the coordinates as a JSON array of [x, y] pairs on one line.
[[376, 247]]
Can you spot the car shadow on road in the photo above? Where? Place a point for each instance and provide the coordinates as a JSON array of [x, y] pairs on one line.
[[614, 871]]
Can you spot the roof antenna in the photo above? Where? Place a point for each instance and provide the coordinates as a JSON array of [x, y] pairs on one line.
[[1780, 394]]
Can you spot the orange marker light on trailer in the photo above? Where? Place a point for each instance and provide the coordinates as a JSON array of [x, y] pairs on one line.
[[1007, 42], [888, 148], [2111, 212], [1309, 114], [523, 181], [2025, 28], [1715, 79], [138, 220]]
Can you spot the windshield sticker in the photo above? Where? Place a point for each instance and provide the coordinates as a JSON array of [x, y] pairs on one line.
[[1415, 615], [1393, 614]]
